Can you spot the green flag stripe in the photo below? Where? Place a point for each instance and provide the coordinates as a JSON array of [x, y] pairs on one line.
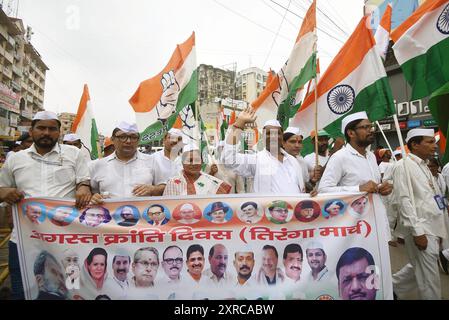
[[428, 72], [376, 100], [187, 96], [307, 73], [439, 107], [93, 140]]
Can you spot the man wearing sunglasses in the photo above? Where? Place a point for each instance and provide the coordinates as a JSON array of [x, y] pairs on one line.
[[126, 172]]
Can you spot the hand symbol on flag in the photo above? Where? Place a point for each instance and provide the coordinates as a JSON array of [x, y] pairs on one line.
[[170, 91]]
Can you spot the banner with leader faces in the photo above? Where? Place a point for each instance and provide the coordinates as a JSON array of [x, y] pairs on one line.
[[332, 246]]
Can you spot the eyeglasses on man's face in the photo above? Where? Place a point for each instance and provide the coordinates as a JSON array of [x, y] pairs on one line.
[[170, 261], [124, 138]]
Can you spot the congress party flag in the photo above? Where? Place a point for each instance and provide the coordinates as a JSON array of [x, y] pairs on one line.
[[85, 126], [158, 101], [266, 105], [421, 47], [439, 107], [382, 35], [354, 81], [281, 92]]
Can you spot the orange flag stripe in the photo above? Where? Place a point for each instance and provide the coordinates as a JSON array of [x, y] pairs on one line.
[[81, 108], [309, 23], [150, 91], [272, 85], [348, 59], [427, 6]]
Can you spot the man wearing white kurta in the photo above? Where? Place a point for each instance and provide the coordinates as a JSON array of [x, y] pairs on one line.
[[273, 169], [353, 168], [237, 182], [125, 173], [323, 152], [421, 216], [46, 169], [167, 164]]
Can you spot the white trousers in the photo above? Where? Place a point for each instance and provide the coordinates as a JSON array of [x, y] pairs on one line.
[[422, 272]]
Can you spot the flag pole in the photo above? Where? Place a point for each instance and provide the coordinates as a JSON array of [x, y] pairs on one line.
[[404, 155], [316, 111], [386, 140]]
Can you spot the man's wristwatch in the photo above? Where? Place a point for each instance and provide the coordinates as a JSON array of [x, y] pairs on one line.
[[238, 127], [83, 183]]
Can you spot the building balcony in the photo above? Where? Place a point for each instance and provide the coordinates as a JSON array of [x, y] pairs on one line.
[[12, 42], [7, 72], [9, 57], [2, 51], [16, 85], [30, 98], [17, 70], [4, 32]]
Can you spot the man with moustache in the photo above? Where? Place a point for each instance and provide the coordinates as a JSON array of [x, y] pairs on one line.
[[353, 168], [172, 263], [292, 260], [269, 274], [354, 281], [117, 286], [218, 261], [46, 169], [273, 169], [244, 265], [195, 263], [49, 278], [156, 215], [249, 213], [421, 216]]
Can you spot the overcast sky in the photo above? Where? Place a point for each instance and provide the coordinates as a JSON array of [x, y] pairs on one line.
[[114, 45]]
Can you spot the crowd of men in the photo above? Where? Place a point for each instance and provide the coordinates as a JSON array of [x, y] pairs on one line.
[[412, 189]]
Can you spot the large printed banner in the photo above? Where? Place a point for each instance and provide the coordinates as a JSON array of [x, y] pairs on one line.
[[329, 247]]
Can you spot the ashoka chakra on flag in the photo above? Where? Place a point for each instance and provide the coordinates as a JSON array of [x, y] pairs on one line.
[[443, 21], [341, 99]]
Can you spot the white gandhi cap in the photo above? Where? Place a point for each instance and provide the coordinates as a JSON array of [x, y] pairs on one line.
[[190, 147], [419, 133], [315, 245], [45, 115], [292, 130], [175, 132], [272, 123], [127, 127], [71, 137], [353, 117]]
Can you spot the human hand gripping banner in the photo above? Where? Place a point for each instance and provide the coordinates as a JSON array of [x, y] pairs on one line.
[[332, 246]]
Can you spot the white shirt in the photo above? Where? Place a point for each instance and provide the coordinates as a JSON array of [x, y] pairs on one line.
[[270, 175], [322, 276], [115, 288], [304, 167], [210, 279], [347, 169], [310, 160], [385, 166], [424, 217], [119, 178], [445, 173], [54, 174], [165, 168]]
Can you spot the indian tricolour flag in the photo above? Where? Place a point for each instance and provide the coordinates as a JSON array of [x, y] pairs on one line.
[[354, 81], [158, 101], [84, 124], [382, 35], [279, 98], [422, 47]]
